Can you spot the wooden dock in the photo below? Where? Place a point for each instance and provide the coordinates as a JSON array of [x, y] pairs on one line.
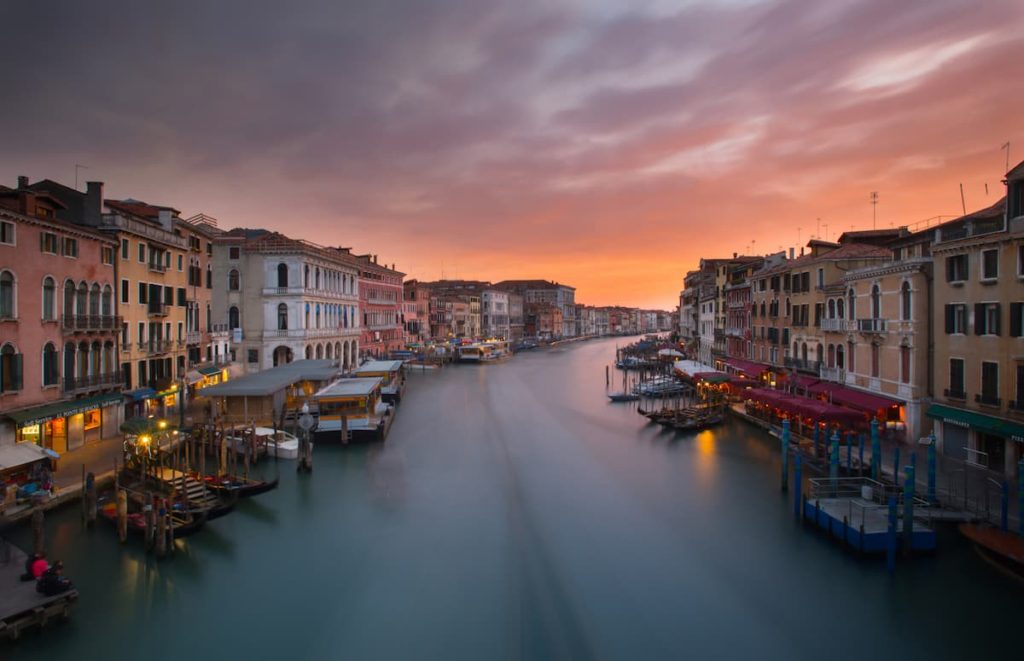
[[21, 606], [863, 525]]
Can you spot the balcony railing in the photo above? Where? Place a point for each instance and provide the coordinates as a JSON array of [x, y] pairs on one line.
[[155, 346], [834, 374], [987, 400], [158, 267], [871, 325], [954, 394], [804, 365], [72, 323], [1016, 405], [193, 337], [157, 310], [835, 325], [93, 382]]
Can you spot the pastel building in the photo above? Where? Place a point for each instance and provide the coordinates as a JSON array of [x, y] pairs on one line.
[[60, 386]]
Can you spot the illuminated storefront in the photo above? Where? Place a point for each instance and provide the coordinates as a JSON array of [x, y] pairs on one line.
[[64, 426]]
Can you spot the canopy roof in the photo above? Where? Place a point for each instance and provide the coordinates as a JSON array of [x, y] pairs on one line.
[[20, 454], [356, 387], [986, 423], [748, 367], [804, 406], [380, 366], [47, 412], [858, 399]]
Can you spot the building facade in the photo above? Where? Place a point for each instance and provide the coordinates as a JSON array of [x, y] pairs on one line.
[[380, 306], [60, 385], [284, 299]]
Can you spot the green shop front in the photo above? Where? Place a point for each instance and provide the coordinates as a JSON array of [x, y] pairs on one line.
[[979, 439], [68, 425]]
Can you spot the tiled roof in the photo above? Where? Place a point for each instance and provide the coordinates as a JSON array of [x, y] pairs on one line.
[[139, 208], [1016, 172]]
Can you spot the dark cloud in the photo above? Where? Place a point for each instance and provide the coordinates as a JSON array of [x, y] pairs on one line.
[[526, 128]]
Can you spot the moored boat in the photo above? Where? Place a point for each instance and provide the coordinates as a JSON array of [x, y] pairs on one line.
[[1000, 548], [623, 397], [237, 484], [182, 522]]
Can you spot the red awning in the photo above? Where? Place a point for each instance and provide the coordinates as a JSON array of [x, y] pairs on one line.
[[750, 368], [805, 407], [858, 399]]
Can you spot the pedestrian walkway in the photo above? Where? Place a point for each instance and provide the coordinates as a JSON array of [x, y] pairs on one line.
[[97, 458]]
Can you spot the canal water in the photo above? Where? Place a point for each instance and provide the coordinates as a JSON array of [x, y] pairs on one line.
[[515, 514]]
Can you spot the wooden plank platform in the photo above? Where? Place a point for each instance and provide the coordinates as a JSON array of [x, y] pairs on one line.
[[20, 605]]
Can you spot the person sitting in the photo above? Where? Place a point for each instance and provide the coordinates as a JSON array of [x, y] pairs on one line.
[[30, 562], [39, 565], [53, 582]]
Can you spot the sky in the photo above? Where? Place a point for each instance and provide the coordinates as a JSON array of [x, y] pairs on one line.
[[606, 145]]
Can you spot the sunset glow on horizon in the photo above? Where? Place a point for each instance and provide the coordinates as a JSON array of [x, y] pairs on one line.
[[605, 145]]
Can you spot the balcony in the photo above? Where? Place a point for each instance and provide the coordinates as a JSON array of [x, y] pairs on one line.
[[86, 323], [157, 310], [93, 382], [835, 325], [157, 267], [1016, 406], [871, 325], [987, 400], [834, 374], [803, 365], [955, 394], [154, 347], [193, 337]]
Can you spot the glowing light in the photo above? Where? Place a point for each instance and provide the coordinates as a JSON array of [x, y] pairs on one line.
[[144, 440], [162, 424]]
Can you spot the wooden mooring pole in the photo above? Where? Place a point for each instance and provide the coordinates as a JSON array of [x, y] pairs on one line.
[[38, 530], [122, 515], [90, 499]]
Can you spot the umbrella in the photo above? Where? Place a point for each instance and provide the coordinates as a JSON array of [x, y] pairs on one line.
[[670, 352]]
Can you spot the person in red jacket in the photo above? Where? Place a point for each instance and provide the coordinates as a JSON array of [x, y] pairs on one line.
[[39, 566]]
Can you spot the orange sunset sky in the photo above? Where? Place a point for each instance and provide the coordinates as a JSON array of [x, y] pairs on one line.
[[601, 144]]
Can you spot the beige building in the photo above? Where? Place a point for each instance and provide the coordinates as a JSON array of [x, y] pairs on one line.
[[979, 333], [152, 300]]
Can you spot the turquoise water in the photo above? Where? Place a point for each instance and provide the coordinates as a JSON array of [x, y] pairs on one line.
[[514, 514]]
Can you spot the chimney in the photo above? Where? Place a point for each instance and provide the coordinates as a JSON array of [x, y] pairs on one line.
[[93, 211], [791, 253], [22, 181], [735, 255], [165, 219]]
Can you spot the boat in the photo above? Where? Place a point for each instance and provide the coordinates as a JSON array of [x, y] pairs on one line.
[[698, 422], [1000, 548], [623, 397], [183, 522], [280, 443], [244, 487]]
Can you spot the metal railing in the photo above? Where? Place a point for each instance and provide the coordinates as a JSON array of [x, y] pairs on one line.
[[93, 382], [159, 267], [157, 309], [954, 394], [987, 400], [835, 325], [90, 322], [836, 374], [155, 346], [871, 325]]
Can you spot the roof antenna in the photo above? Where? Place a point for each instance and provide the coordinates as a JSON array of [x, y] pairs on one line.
[[1006, 146], [963, 203], [874, 210]]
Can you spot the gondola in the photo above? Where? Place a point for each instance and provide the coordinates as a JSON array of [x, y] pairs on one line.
[[183, 523], [623, 397], [244, 487], [1003, 550]]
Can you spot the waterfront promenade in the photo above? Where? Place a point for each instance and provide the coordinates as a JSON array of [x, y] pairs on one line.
[[513, 513]]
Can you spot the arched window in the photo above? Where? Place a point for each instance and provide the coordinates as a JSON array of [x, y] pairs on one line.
[[905, 364], [819, 353], [50, 370], [852, 304], [282, 317], [839, 356], [796, 349], [876, 302], [6, 295], [106, 302], [209, 277], [306, 325], [82, 299], [69, 362], [49, 298], [876, 360], [762, 308], [82, 370], [232, 318], [309, 351], [94, 300], [905, 301], [108, 358], [851, 356], [839, 308], [69, 299], [233, 280], [10, 369], [831, 308], [305, 276], [317, 315], [831, 356], [282, 275], [95, 359], [317, 278], [789, 307], [803, 352], [319, 352]]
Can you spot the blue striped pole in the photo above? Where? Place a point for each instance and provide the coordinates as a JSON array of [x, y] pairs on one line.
[[908, 510], [1004, 503], [860, 454], [896, 465], [932, 459], [849, 452], [833, 460], [890, 545], [817, 430], [798, 483], [876, 450], [785, 454]]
